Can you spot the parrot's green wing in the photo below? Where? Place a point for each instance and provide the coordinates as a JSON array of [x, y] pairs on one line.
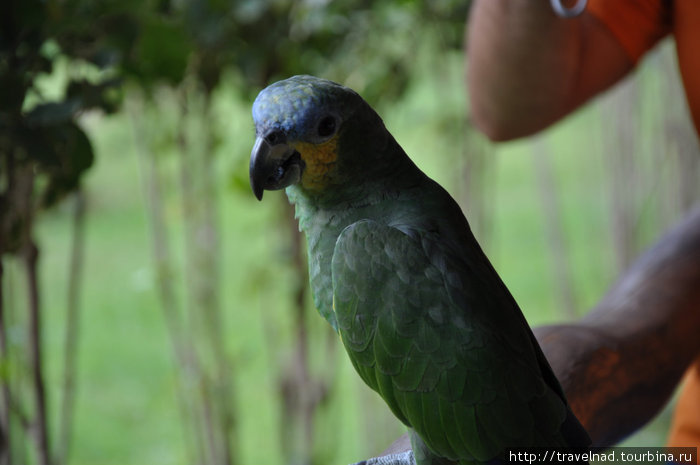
[[436, 345]]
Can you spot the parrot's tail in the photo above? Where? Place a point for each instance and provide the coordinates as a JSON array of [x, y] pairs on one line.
[[574, 432]]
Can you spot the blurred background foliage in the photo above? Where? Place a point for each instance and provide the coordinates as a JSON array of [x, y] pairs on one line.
[[151, 311]]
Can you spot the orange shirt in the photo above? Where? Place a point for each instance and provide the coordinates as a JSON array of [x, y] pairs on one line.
[[638, 25], [685, 429]]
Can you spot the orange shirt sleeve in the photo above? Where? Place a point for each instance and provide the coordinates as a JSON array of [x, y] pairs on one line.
[[637, 24], [685, 427]]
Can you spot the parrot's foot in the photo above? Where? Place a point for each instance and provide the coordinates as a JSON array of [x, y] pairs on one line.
[[403, 458]]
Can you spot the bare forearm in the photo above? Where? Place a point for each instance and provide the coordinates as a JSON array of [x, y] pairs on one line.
[[527, 68], [514, 48]]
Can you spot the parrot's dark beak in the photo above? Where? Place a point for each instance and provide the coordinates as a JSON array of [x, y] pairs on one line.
[[273, 165]]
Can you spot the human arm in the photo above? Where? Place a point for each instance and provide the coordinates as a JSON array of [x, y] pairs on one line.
[[527, 68]]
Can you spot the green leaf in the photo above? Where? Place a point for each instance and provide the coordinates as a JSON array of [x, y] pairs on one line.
[[162, 51], [74, 154], [53, 113], [34, 144], [105, 95]]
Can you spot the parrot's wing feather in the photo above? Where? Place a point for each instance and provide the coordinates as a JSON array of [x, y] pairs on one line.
[[421, 337]]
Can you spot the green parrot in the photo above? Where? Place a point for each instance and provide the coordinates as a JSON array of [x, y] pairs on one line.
[[396, 271]]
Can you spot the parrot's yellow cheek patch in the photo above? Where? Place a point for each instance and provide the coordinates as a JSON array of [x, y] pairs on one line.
[[319, 160]]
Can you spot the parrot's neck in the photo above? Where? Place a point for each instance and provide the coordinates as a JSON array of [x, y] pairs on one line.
[[322, 226], [323, 217]]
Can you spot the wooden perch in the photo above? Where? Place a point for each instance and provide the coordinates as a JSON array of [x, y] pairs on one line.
[[620, 364]]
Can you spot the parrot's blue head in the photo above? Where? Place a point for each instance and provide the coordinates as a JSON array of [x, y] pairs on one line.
[[298, 105], [299, 124]]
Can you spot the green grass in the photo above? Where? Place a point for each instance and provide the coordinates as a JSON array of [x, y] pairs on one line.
[[126, 411]]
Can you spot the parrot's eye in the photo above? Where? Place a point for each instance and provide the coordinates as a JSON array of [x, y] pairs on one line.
[[326, 127], [275, 137]]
